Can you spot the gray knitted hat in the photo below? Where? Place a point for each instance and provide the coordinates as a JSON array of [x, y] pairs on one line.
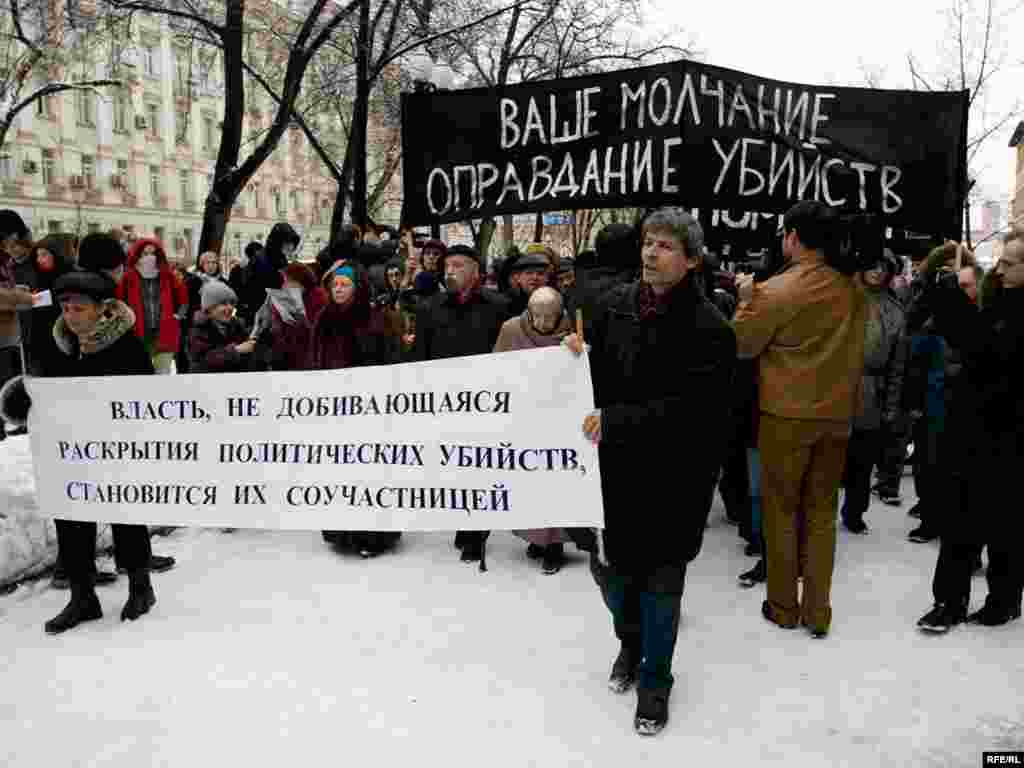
[[215, 292]]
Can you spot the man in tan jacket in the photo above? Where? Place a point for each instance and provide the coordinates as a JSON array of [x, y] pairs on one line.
[[806, 326]]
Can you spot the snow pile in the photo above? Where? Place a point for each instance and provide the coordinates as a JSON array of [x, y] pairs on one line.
[[266, 648], [28, 540]]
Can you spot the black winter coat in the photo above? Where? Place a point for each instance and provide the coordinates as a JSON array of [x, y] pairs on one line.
[[120, 353], [663, 386], [125, 357], [445, 328], [212, 349], [989, 395]]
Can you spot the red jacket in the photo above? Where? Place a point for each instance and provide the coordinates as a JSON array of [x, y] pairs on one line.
[[173, 294]]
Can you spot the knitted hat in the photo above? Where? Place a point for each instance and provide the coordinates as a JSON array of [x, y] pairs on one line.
[[93, 285], [215, 292], [11, 223], [543, 250], [100, 253]]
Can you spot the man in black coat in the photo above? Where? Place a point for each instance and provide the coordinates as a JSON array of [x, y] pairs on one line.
[[987, 421], [94, 337], [662, 359], [617, 262], [466, 320]]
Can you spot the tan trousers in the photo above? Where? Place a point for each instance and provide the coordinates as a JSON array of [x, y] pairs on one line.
[[801, 468]]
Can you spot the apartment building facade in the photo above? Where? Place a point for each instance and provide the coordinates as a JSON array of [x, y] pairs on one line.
[[141, 158]]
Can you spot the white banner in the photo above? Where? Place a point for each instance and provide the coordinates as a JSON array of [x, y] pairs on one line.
[[478, 443]]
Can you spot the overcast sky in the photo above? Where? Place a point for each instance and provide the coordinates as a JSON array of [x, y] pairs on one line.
[[826, 43]]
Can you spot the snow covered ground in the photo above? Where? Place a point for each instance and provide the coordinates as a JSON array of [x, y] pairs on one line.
[[267, 649]]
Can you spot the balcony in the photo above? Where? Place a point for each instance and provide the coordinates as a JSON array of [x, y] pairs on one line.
[[189, 206]]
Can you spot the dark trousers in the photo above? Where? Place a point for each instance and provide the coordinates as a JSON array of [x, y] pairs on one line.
[[894, 454], [181, 361], [471, 540], [928, 473], [76, 543], [979, 512], [734, 486], [645, 615], [862, 455]]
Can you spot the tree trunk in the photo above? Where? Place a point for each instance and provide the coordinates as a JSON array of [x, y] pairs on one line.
[[360, 117], [225, 189], [216, 215], [338, 215], [508, 231], [487, 229], [538, 228]]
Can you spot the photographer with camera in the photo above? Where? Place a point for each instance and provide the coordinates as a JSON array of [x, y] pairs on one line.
[[806, 325], [984, 437]]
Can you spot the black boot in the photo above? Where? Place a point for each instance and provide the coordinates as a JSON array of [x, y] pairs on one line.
[[941, 618], [992, 615], [651, 711], [624, 671], [535, 551], [84, 606], [756, 575], [554, 558], [140, 595]]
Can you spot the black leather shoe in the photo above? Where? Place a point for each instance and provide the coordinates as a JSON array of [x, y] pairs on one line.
[[84, 606], [766, 611], [140, 596], [624, 671], [651, 711], [992, 615]]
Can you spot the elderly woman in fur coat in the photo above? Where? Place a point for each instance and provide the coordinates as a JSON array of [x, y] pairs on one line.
[[544, 323], [94, 336]]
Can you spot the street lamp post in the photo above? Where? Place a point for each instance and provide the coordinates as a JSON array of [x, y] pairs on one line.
[[429, 77]]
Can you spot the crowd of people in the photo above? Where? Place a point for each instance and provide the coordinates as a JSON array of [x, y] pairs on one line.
[[828, 361]]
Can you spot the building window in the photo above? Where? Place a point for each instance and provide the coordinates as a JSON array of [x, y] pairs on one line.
[[154, 182], [149, 61], [254, 193], [43, 107], [161, 234], [185, 179], [86, 107], [121, 111], [53, 227], [181, 123], [208, 132], [94, 227], [153, 118], [88, 172], [278, 201], [49, 167], [294, 201], [6, 166], [122, 171]]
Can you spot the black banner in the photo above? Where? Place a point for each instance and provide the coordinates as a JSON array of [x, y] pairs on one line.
[[686, 134]]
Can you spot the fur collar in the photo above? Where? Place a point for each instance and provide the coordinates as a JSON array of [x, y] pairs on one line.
[[116, 319]]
